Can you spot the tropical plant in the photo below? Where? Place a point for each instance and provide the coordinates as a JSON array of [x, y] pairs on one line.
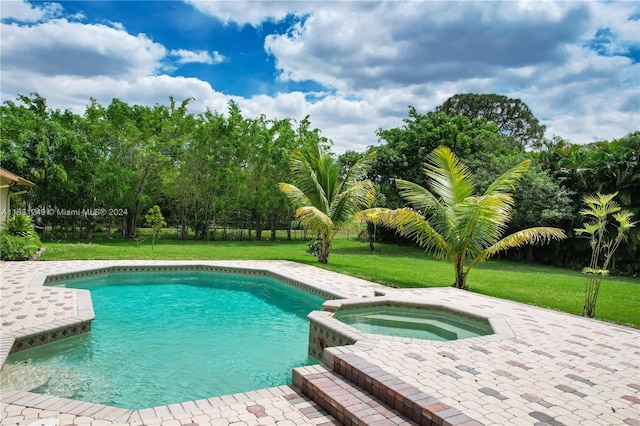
[[455, 224], [156, 221], [600, 208], [18, 240], [326, 199]]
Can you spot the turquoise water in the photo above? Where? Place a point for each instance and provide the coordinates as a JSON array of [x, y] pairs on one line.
[[417, 323], [162, 338]]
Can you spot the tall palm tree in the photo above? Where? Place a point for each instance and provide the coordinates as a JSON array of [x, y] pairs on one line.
[[327, 200], [455, 224]]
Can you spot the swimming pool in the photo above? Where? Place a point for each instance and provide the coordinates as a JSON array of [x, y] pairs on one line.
[[167, 337]]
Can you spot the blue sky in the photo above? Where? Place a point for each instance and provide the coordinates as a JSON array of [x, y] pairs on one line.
[[353, 66]]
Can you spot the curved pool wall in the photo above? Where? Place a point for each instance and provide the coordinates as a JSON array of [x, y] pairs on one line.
[[326, 331], [81, 323]]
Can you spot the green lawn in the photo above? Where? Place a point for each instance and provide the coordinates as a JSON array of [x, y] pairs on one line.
[[398, 266]]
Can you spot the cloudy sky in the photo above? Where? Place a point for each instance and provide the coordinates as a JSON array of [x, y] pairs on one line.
[[353, 66]]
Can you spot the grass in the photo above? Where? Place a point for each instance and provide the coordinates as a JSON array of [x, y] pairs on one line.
[[397, 266]]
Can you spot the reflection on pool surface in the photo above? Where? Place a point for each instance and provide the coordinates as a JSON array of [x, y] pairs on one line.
[[167, 337], [417, 323]]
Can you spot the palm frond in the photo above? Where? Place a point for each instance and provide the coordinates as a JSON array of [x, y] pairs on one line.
[[360, 168], [377, 215], [411, 224], [624, 220], [297, 197], [595, 271], [481, 221], [314, 220], [600, 205], [307, 176], [537, 235], [449, 178], [350, 201], [507, 181], [419, 197], [590, 228]]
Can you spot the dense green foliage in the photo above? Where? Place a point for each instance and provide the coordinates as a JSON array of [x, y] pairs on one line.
[[117, 161], [583, 170], [18, 239], [513, 116], [215, 175]]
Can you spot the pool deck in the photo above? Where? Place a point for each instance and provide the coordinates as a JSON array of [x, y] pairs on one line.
[[550, 369]]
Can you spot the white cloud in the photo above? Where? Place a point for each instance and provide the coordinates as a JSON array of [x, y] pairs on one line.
[[24, 11], [356, 46], [201, 56], [425, 52], [252, 13], [60, 47]]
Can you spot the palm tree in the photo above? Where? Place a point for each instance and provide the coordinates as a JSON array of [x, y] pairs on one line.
[[453, 223], [326, 199]]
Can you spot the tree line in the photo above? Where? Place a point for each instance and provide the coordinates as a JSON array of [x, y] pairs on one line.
[[121, 159], [216, 175]]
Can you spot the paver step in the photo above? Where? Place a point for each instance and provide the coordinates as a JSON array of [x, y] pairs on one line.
[[384, 388], [348, 403]]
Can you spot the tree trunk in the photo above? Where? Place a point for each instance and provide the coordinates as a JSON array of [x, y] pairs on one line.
[[323, 257], [132, 226], [591, 296], [258, 224], [54, 223], [325, 246], [461, 278], [90, 228]]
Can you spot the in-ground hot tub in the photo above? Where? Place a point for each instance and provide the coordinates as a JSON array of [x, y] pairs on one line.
[[347, 321], [430, 323]]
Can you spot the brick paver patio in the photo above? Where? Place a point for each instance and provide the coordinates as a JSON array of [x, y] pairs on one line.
[[555, 369]]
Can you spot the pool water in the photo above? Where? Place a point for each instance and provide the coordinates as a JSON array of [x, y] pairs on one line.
[[423, 323], [163, 338]]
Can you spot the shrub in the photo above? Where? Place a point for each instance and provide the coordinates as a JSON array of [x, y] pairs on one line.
[[18, 240], [19, 225]]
